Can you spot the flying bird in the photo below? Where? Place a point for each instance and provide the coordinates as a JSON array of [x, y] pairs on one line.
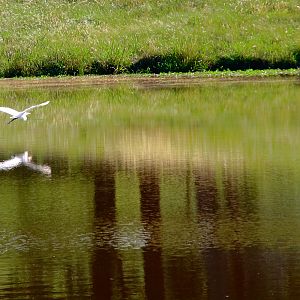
[[20, 114]]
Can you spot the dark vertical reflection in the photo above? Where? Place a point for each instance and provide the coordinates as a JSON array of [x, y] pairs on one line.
[[107, 267], [206, 192], [105, 206], [226, 269], [207, 207], [151, 218], [233, 190], [207, 202], [292, 265], [240, 195], [185, 279], [184, 276], [188, 181]]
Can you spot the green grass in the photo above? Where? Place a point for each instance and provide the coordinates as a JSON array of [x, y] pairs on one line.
[[60, 37]]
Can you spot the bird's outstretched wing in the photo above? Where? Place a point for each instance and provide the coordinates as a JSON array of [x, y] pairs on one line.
[[34, 106], [9, 111]]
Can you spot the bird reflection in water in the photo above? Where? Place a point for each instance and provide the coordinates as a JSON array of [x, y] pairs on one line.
[[24, 159]]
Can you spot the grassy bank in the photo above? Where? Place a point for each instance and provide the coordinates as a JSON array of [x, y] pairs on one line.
[[59, 37]]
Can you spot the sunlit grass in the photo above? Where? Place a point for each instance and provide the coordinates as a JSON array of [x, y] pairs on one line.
[[109, 37]]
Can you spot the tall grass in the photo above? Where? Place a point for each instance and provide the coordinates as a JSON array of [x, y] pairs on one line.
[[60, 37]]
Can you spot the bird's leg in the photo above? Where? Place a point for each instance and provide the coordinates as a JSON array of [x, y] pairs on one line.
[[13, 119]]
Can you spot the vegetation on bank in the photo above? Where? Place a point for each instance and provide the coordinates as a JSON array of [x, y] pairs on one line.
[[146, 79], [77, 37]]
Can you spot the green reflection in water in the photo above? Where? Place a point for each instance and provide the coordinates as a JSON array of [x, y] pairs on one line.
[[155, 185], [215, 119]]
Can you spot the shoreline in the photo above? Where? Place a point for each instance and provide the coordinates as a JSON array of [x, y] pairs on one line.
[[152, 80]]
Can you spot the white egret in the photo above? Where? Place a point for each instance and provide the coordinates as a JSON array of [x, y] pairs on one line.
[[20, 114]]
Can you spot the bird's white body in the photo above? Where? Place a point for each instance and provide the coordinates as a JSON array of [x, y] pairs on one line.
[[20, 114], [23, 159]]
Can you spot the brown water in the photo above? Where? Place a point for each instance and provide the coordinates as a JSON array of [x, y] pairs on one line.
[[158, 193]]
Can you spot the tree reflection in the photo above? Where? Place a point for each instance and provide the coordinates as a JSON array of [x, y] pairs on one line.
[[107, 267], [226, 271], [151, 219], [206, 194]]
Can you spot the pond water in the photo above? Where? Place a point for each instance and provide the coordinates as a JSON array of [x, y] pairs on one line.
[[162, 192]]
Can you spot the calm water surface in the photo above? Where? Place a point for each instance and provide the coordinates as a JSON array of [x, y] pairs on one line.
[[128, 192]]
